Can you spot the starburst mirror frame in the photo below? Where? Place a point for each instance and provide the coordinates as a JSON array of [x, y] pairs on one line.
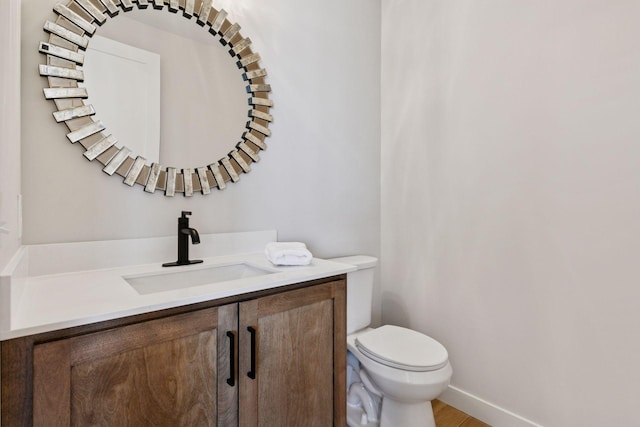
[[69, 37]]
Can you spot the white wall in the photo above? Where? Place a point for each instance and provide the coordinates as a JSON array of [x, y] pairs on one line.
[[511, 198], [9, 128], [318, 180]]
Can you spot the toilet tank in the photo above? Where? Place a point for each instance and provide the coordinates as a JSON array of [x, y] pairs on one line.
[[359, 291]]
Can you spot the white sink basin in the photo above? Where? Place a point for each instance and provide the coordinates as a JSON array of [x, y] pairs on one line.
[[168, 281]]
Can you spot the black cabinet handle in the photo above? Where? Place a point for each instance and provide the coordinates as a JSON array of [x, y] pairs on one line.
[[252, 373], [232, 359]]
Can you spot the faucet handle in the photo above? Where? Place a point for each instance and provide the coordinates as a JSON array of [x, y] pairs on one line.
[[185, 213]]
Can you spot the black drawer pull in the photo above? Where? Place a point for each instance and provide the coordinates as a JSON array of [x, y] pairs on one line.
[[252, 373], [232, 359]]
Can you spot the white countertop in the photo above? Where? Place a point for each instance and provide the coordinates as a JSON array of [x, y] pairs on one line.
[[56, 301]]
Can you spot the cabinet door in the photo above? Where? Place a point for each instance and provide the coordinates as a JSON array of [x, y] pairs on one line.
[[292, 358], [165, 372]]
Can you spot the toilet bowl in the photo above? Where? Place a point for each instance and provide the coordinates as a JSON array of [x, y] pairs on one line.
[[407, 389], [404, 368]]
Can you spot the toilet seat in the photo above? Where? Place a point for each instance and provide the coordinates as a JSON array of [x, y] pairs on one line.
[[402, 348]]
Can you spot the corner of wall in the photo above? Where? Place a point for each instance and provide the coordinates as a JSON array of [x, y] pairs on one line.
[[10, 131]]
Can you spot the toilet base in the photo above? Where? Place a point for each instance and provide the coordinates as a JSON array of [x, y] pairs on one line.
[[355, 418], [396, 414]]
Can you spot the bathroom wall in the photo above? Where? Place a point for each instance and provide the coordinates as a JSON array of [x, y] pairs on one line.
[[317, 182], [511, 201], [9, 129]]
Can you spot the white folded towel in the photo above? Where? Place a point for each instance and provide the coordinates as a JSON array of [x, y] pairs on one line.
[[288, 253]]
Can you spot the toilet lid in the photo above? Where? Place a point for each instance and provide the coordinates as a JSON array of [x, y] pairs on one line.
[[402, 348]]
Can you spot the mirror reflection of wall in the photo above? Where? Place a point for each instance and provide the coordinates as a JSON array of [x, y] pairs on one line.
[[203, 101], [115, 73]]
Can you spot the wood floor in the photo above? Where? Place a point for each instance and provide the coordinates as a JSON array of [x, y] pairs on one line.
[[448, 416]]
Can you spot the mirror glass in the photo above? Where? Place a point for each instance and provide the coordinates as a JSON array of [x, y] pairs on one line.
[[195, 109]]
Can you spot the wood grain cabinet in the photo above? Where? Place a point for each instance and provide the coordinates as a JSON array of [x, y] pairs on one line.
[[276, 359]]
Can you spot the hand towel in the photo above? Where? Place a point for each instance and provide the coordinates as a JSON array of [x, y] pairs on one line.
[[288, 253]]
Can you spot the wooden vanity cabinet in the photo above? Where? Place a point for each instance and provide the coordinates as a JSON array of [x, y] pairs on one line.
[[159, 372], [297, 341], [274, 359]]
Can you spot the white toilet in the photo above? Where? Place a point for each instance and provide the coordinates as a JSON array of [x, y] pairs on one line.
[[393, 373]]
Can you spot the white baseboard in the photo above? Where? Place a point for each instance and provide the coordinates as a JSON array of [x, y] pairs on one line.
[[484, 411]]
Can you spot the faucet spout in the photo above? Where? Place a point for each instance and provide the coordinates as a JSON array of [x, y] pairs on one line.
[[195, 237], [184, 231]]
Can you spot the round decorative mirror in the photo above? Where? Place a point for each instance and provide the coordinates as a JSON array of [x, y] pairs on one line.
[[68, 48]]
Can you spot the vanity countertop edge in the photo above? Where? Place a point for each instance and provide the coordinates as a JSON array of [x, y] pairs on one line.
[[44, 303]]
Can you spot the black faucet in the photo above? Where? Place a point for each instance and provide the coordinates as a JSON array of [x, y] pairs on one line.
[[184, 231]]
